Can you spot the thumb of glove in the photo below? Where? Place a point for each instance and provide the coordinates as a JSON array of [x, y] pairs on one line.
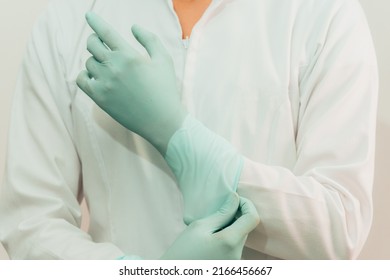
[[225, 215]]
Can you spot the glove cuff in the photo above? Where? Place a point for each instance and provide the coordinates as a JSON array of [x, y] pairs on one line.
[[207, 168]]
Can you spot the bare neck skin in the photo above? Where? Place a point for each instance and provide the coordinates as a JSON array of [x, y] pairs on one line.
[[189, 12]]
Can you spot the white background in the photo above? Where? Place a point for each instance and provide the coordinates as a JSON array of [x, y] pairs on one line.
[[17, 17]]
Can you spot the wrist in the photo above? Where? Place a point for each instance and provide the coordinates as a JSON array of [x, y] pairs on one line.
[[206, 166], [165, 129]]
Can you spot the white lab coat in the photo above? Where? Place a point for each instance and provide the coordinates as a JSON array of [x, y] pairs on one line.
[[292, 84]]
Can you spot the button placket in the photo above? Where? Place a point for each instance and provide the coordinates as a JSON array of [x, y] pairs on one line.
[[191, 46]]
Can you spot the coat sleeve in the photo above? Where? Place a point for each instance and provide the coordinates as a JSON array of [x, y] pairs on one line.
[[322, 209], [40, 214]]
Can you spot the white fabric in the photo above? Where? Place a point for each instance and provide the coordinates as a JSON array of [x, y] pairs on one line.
[[292, 84]]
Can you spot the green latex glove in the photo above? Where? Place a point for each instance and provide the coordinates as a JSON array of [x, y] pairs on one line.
[[207, 168], [220, 236], [137, 91]]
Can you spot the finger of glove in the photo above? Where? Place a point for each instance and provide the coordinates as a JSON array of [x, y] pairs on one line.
[[94, 68], [246, 223], [86, 84], [97, 48], [150, 42], [106, 32], [224, 216]]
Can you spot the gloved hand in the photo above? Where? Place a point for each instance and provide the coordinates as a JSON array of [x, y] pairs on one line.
[[141, 94], [137, 91], [219, 236]]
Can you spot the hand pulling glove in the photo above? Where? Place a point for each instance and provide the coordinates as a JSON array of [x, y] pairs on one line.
[[221, 236]]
